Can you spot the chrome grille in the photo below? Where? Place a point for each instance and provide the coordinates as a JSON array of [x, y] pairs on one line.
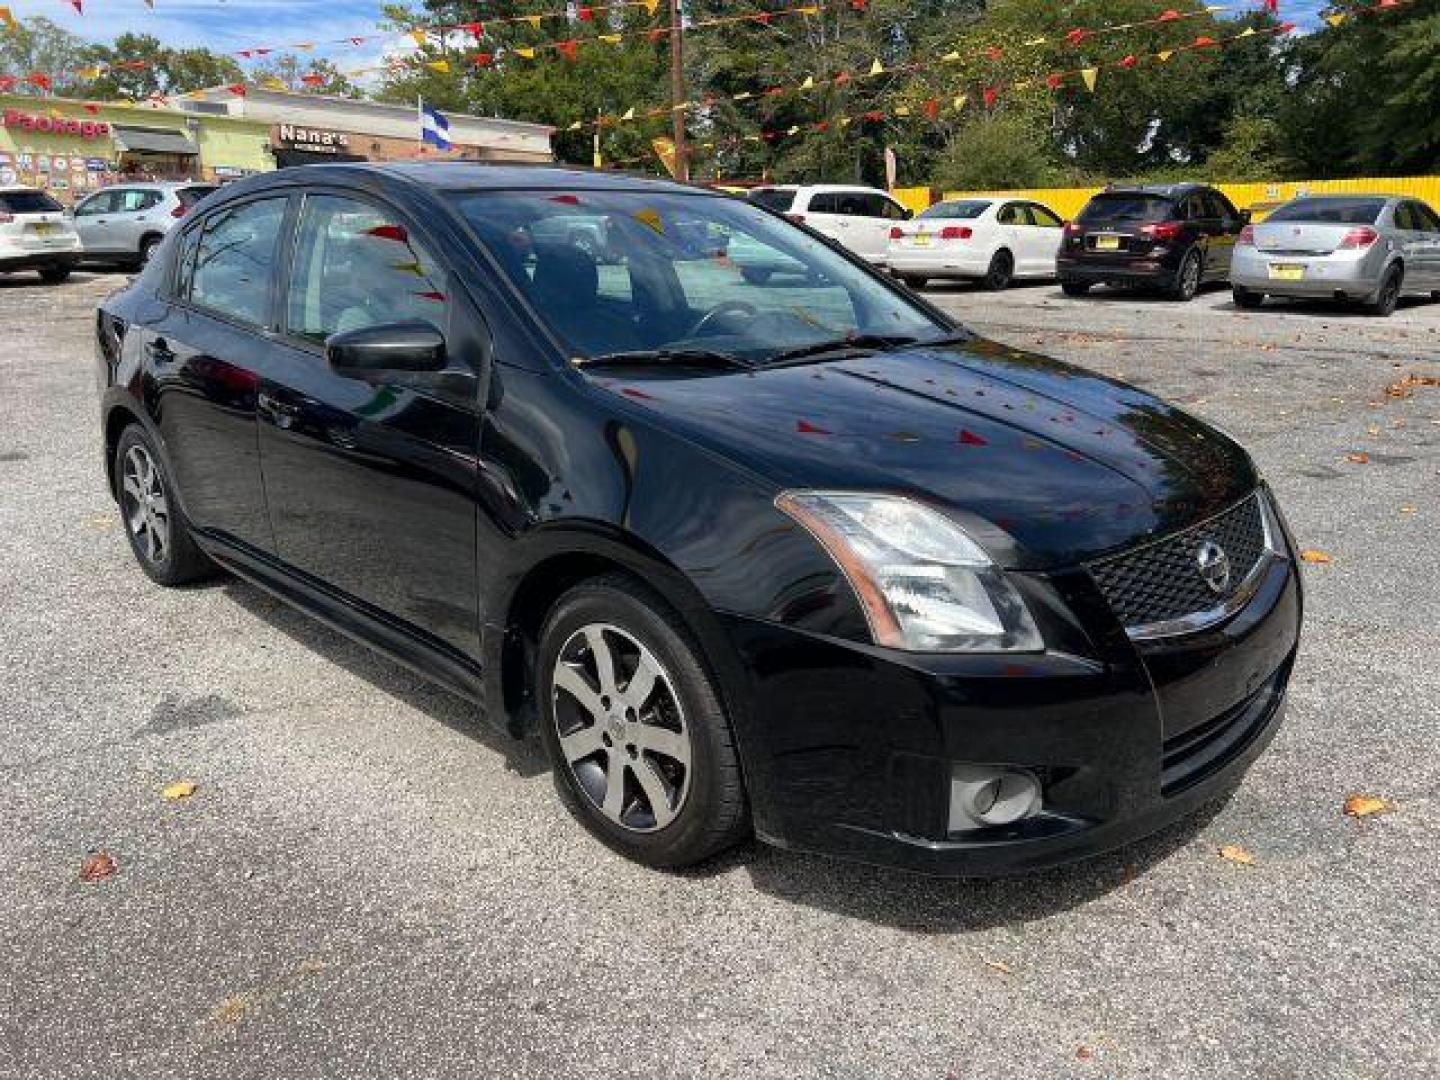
[[1161, 582]]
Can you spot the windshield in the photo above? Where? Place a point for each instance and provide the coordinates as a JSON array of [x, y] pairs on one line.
[[28, 202], [773, 198], [1334, 211], [623, 272], [969, 208], [1131, 206]]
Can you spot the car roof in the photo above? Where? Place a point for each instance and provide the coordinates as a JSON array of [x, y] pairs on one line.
[[478, 175], [1169, 191], [1347, 195]]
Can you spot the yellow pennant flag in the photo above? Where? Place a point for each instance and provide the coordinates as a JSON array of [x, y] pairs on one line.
[[808, 10], [1333, 20], [629, 114], [305, 46], [792, 130], [1213, 8], [744, 95], [665, 151], [902, 110], [959, 102], [85, 73], [527, 52], [951, 57], [1023, 84], [877, 68], [1164, 55], [651, 5], [575, 126], [1089, 75], [1249, 31], [6, 19], [534, 21], [1035, 41], [844, 121], [439, 65], [610, 39], [809, 83], [419, 36], [273, 83], [646, 215]]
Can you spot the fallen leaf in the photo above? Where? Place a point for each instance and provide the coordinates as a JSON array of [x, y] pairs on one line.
[[181, 789], [97, 866], [1000, 966], [1237, 854], [1372, 430], [1313, 555], [102, 521], [1359, 806], [1404, 388], [231, 1010], [1359, 457], [1407, 509], [1083, 1052]]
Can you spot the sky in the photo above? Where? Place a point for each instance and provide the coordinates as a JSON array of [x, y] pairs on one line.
[[231, 25]]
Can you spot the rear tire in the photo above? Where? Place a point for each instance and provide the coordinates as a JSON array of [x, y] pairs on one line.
[[148, 247], [1382, 304], [55, 275], [1074, 288], [651, 771], [154, 524], [1001, 271], [914, 281], [1246, 298], [1187, 278]]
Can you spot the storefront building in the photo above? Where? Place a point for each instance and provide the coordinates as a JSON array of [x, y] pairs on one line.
[[308, 128], [71, 148]]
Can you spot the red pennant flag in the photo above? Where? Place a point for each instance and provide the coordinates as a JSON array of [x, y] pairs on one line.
[[1285, 27], [842, 78], [238, 89], [762, 17], [991, 96], [91, 107], [993, 53], [79, 6], [1128, 62], [474, 29], [1053, 81], [7, 83], [1168, 15], [775, 91], [1203, 42], [931, 108], [389, 232], [312, 79], [822, 125], [568, 49], [586, 14], [657, 34], [40, 79], [874, 115], [969, 438], [483, 59], [858, 5], [1075, 37], [263, 52], [804, 427], [1272, 6], [357, 41], [246, 53]]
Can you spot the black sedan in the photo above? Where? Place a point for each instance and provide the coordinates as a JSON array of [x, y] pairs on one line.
[[798, 557]]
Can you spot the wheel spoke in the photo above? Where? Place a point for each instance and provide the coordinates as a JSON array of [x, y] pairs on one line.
[[131, 486], [151, 544], [581, 743], [656, 793], [642, 683], [604, 662], [614, 804], [663, 741], [158, 506], [573, 683]]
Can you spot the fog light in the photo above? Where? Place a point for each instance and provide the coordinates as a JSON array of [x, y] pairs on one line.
[[987, 795]]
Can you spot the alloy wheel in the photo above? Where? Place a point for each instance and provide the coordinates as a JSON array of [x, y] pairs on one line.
[[622, 730], [146, 509]]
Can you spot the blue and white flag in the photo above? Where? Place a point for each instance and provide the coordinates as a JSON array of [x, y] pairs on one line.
[[434, 127]]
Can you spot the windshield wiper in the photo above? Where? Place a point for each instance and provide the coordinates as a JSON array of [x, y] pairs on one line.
[[708, 358], [860, 342]]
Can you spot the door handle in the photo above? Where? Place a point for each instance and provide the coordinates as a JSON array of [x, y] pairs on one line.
[[160, 351], [281, 412]]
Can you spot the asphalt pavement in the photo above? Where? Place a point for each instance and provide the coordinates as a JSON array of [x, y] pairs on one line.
[[365, 883]]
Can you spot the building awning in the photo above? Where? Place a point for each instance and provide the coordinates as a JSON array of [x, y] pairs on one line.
[[154, 140]]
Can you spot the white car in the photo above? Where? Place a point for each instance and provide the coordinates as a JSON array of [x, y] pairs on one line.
[[860, 218], [992, 241], [35, 234]]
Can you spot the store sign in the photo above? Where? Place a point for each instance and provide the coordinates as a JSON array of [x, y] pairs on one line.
[[56, 125], [318, 139]]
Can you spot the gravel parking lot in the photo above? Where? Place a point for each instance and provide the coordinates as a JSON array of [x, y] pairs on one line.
[[366, 883]]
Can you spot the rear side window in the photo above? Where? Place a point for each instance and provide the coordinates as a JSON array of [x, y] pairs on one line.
[[1043, 217], [826, 202], [355, 266], [189, 196], [28, 202], [964, 209], [1127, 206], [232, 262], [133, 200], [1332, 211], [779, 199], [1428, 219]]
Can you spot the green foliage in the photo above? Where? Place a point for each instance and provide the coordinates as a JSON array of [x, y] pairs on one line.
[[1004, 149], [294, 71], [1252, 150], [165, 71], [40, 45]]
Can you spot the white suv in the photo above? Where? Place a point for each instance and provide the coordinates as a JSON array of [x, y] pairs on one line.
[[858, 217], [35, 234]]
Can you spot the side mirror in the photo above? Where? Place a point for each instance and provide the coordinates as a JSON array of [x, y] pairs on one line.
[[908, 213], [402, 346], [1245, 217]]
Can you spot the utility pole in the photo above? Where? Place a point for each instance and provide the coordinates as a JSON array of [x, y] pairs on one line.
[[677, 95]]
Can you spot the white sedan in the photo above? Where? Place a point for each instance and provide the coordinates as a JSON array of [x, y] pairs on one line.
[[993, 241]]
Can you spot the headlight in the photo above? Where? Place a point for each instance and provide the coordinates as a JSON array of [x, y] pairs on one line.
[[924, 584]]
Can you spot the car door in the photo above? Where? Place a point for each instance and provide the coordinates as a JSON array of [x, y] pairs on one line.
[[1007, 232], [92, 222], [823, 212], [1416, 244], [1222, 241], [1043, 239], [204, 350], [371, 480], [136, 216], [1429, 222], [1204, 225], [870, 218]]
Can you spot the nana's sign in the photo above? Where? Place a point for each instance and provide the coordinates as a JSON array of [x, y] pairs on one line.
[[56, 125], [292, 137]]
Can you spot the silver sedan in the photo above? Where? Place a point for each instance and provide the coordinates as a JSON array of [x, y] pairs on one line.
[[1368, 248]]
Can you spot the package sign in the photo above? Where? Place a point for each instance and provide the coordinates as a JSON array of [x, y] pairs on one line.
[[56, 125]]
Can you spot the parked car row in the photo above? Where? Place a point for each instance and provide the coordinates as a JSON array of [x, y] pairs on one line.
[[120, 225], [1174, 238]]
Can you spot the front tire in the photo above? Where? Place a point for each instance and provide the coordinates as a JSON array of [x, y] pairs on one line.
[[641, 749], [154, 524], [914, 281], [148, 247], [1074, 288], [1000, 272], [1246, 298], [55, 275], [1187, 278], [1382, 304]]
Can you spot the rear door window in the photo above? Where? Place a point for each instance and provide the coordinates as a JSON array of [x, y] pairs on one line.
[[233, 261], [1043, 217], [827, 202], [189, 196], [28, 202], [1429, 220], [134, 200], [779, 199], [103, 203], [1127, 207]]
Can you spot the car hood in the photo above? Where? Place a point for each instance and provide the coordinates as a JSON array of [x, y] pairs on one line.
[[1045, 463]]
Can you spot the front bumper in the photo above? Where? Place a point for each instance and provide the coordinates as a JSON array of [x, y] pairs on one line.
[[848, 749]]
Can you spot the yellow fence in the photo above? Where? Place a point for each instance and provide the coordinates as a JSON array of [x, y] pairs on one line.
[[1259, 198]]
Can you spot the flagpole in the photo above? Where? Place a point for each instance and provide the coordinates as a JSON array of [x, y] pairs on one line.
[[420, 120], [677, 95]]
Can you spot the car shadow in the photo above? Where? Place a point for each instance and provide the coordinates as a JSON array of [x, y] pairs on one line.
[[932, 905], [1337, 309], [525, 757]]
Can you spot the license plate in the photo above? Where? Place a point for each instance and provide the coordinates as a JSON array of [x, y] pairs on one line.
[[1107, 243], [1287, 271], [43, 228], [921, 239]]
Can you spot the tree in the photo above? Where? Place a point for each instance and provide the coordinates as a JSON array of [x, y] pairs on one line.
[[302, 77], [40, 46], [1252, 150], [1009, 149], [138, 66]]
